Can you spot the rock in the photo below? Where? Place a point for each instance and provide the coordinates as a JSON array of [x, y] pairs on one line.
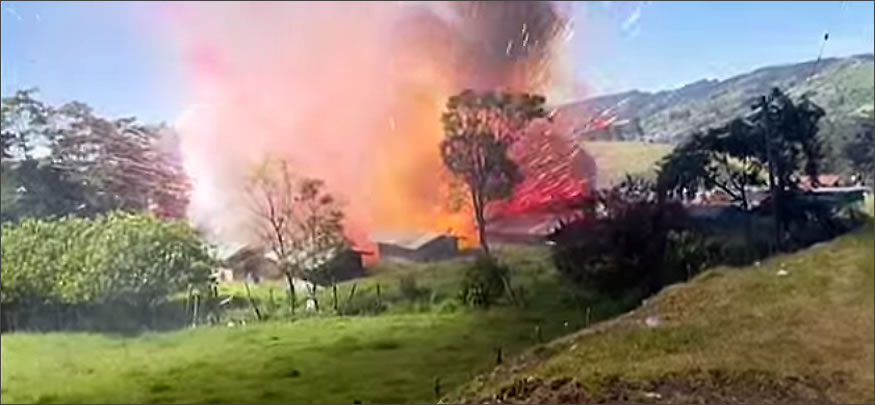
[[652, 321], [782, 273], [652, 395]]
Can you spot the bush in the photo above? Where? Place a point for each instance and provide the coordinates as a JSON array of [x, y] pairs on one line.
[[483, 282], [410, 290], [628, 241], [122, 260], [366, 304]]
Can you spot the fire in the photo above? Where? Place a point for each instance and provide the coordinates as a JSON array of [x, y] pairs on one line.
[[353, 93]]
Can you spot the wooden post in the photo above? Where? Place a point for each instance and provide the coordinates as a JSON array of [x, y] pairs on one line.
[[379, 295], [498, 358], [538, 334], [194, 310], [351, 294], [334, 294], [270, 297], [437, 388], [588, 311]]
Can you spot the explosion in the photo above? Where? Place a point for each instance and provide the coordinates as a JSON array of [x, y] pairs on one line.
[[352, 93]]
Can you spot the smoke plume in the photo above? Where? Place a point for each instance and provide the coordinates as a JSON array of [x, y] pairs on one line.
[[351, 93]]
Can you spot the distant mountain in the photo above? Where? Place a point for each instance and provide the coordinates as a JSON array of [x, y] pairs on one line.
[[842, 86]]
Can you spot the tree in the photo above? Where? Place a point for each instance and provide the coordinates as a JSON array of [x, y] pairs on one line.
[[479, 128], [722, 158], [860, 152], [788, 144], [300, 222], [68, 160], [120, 162], [24, 124]]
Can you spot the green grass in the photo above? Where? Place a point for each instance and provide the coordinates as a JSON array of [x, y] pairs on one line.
[[616, 159], [817, 320], [390, 358]]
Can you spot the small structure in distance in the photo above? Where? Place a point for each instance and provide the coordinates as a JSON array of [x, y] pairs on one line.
[[415, 246]]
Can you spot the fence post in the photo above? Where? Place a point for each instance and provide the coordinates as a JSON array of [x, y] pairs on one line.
[[194, 310], [334, 294], [498, 359], [437, 388]]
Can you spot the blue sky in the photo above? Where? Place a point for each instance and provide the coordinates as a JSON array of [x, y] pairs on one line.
[[107, 55]]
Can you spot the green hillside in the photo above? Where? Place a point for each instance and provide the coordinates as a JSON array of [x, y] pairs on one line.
[[731, 335], [844, 87], [615, 160]]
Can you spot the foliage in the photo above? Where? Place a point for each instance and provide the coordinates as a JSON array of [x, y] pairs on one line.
[[479, 128], [627, 240], [861, 151], [298, 220], [110, 260], [68, 160], [721, 158], [726, 319], [409, 289], [483, 282]]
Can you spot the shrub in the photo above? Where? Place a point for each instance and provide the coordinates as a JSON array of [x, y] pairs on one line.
[[364, 304], [626, 240], [483, 282], [121, 260], [409, 288]]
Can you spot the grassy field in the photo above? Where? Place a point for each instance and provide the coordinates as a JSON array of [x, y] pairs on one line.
[[615, 159], [391, 358], [729, 335]]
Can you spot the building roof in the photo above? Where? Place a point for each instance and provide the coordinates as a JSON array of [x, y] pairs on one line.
[[541, 224], [407, 239]]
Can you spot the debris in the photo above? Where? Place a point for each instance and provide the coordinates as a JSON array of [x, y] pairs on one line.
[[652, 321], [652, 395], [782, 273]]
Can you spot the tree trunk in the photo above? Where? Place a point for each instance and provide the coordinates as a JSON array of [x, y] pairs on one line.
[[480, 219], [252, 300], [313, 296]]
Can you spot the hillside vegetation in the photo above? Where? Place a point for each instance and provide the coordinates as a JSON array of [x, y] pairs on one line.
[[844, 87], [615, 160], [797, 328]]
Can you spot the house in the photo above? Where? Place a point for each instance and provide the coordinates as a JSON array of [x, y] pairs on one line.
[[823, 180], [252, 263], [257, 264], [532, 228], [415, 246]]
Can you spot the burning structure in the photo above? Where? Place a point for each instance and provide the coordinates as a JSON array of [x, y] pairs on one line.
[[416, 246], [352, 93]]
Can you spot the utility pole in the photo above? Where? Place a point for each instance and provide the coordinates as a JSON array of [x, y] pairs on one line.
[[773, 187]]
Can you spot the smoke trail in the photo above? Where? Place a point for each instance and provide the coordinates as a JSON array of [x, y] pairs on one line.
[[350, 93]]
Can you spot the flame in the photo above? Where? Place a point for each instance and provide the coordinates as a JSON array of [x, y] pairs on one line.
[[351, 93]]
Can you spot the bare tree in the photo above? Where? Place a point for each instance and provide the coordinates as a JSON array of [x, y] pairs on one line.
[[300, 222]]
